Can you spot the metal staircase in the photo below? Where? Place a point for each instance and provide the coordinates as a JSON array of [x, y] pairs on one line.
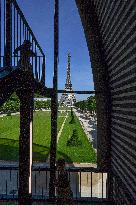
[[16, 33]]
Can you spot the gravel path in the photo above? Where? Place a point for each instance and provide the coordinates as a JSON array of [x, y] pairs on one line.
[[3, 115], [60, 131], [89, 126], [59, 134]]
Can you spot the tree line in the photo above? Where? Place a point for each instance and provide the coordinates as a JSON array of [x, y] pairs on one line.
[[13, 104], [87, 105]]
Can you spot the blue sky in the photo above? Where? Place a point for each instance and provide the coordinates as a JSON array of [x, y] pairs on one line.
[[40, 14]]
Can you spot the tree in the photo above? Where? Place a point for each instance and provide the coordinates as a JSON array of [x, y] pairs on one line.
[[89, 104], [91, 101], [74, 139], [12, 105]]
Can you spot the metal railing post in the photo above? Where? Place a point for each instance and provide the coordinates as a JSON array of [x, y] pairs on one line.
[[25, 94], [8, 48], [54, 106], [43, 71]]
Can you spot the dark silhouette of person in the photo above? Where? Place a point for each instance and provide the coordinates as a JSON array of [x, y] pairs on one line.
[[63, 189], [25, 54]]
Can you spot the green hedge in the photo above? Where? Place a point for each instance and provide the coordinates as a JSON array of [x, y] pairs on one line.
[[13, 105]]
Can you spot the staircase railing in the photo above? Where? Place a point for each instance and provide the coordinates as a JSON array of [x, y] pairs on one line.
[[14, 30]]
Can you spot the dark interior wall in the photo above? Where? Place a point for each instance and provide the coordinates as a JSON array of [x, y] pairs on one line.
[[116, 24], [100, 76]]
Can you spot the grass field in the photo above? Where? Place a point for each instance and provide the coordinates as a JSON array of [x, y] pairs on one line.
[[42, 134], [9, 136], [83, 153]]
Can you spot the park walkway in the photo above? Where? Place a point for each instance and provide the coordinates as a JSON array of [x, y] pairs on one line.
[[89, 125], [59, 134], [62, 126]]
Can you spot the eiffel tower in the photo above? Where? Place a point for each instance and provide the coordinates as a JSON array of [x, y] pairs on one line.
[[68, 99]]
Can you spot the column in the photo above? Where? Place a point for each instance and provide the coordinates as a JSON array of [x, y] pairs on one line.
[[25, 144]]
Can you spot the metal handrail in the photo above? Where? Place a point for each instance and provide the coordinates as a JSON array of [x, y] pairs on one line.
[[15, 35], [25, 21], [78, 91], [47, 168]]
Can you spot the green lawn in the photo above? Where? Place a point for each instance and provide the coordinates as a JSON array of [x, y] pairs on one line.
[[9, 135], [42, 133], [83, 153]]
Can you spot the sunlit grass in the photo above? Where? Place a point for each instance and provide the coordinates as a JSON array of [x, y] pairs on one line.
[[9, 135], [9, 139], [83, 153]]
